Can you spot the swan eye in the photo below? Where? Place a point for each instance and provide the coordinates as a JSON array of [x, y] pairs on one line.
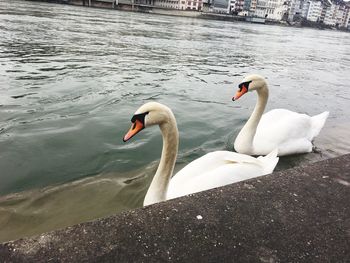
[[140, 117], [244, 85]]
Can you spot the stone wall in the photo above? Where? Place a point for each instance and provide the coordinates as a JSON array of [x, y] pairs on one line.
[[296, 215]]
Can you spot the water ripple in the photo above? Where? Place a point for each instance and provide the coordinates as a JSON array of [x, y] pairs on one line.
[[71, 78]]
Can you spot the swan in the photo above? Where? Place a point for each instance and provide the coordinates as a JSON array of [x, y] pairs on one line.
[[211, 170], [290, 132]]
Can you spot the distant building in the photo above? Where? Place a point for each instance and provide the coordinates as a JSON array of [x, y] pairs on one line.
[[341, 14], [271, 9], [221, 6], [347, 16], [250, 6], [295, 10], [281, 10], [337, 15], [312, 10], [263, 8], [330, 15], [232, 6], [236, 6], [171, 4], [322, 11], [191, 5]]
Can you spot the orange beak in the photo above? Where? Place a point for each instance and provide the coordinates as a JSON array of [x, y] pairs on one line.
[[240, 93], [136, 127]]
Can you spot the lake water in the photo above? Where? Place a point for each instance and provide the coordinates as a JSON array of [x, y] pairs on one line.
[[72, 77]]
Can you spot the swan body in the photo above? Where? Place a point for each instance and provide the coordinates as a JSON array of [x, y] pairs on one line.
[[217, 169], [211, 170], [290, 132]]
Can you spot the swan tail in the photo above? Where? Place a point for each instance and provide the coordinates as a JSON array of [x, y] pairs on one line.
[[269, 161], [317, 122]]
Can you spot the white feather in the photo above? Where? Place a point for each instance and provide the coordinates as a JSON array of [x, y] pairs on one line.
[[290, 132], [218, 169]]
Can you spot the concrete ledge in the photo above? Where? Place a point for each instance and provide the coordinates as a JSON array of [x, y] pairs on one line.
[[297, 215]]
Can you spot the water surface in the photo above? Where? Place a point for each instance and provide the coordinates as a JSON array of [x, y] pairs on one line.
[[72, 77]]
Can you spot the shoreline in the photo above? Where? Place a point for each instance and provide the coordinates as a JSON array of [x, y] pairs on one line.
[[245, 222], [110, 4]]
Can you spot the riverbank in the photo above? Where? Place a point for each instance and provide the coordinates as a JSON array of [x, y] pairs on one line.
[[125, 5], [295, 215]]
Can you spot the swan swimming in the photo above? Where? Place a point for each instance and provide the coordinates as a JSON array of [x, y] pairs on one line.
[[290, 132], [212, 170]]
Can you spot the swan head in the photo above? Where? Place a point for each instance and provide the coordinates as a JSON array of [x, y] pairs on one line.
[[151, 113], [250, 83]]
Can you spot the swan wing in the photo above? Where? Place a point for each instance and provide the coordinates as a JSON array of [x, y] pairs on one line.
[[279, 125], [211, 161], [218, 169], [289, 131]]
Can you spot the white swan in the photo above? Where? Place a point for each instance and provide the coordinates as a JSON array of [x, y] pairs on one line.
[[290, 132], [211, 170]]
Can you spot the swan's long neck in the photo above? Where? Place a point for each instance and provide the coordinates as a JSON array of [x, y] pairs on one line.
[[159, 186], [244, 140]]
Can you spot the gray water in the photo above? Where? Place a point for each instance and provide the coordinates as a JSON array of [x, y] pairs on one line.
[[72, 77]]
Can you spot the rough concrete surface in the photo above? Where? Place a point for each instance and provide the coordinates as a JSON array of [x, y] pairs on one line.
[[296, 215]]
